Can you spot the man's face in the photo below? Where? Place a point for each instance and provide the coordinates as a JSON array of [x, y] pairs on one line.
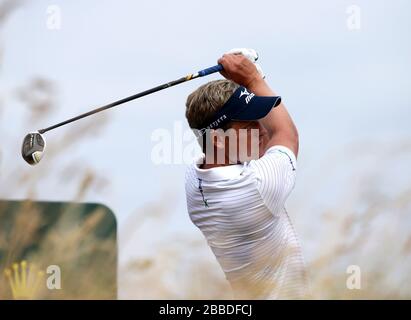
[[251, 140]]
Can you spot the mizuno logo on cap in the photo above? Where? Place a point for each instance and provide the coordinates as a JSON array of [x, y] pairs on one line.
[[244, 92], [248, 95]]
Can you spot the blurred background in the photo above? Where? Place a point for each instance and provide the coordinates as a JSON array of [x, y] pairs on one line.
[[342, 67]]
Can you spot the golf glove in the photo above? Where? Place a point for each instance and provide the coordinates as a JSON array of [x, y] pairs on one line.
[[251, 55]]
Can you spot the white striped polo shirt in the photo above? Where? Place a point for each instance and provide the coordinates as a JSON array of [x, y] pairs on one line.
[[240, 211]]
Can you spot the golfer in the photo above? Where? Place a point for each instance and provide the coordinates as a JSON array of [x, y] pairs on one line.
[[236, 192]]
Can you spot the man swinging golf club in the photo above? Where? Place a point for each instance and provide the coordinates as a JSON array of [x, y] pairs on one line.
[[235, 194]]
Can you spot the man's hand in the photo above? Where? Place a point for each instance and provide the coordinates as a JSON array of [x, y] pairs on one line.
[[251, 55], [240, 69]]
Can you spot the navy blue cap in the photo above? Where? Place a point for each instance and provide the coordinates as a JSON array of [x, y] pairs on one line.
[[242, 106]]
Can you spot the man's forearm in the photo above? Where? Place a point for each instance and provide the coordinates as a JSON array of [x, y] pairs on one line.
[[278, 122], [260, 87]]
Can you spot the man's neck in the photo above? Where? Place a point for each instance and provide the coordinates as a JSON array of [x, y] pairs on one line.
[[209, 166], [214, 161], [216, 165]]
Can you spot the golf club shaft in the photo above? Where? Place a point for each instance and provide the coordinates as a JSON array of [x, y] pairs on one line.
[[189, 77]]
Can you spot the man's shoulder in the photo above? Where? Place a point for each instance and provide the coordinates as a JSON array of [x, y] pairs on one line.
[[275, 174], [277, 156]]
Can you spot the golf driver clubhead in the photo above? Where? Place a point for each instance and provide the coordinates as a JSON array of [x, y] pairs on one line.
[[33, 148]]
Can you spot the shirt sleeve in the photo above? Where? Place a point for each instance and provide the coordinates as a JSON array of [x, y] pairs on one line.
[[275, 172]]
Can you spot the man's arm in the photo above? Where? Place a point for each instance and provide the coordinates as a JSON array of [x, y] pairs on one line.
[[278, 122]]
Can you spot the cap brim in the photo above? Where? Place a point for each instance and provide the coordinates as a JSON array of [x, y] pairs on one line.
[[257, 109]]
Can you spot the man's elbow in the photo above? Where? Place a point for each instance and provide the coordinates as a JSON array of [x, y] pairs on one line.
[[287, 137], [296, 142]]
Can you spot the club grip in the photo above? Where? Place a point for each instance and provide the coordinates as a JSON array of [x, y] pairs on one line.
[[206, 72]]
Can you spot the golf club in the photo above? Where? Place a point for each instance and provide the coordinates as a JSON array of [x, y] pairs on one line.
[[34, 143]]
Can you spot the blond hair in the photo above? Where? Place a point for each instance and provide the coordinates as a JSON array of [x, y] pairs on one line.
[[204, 102]]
